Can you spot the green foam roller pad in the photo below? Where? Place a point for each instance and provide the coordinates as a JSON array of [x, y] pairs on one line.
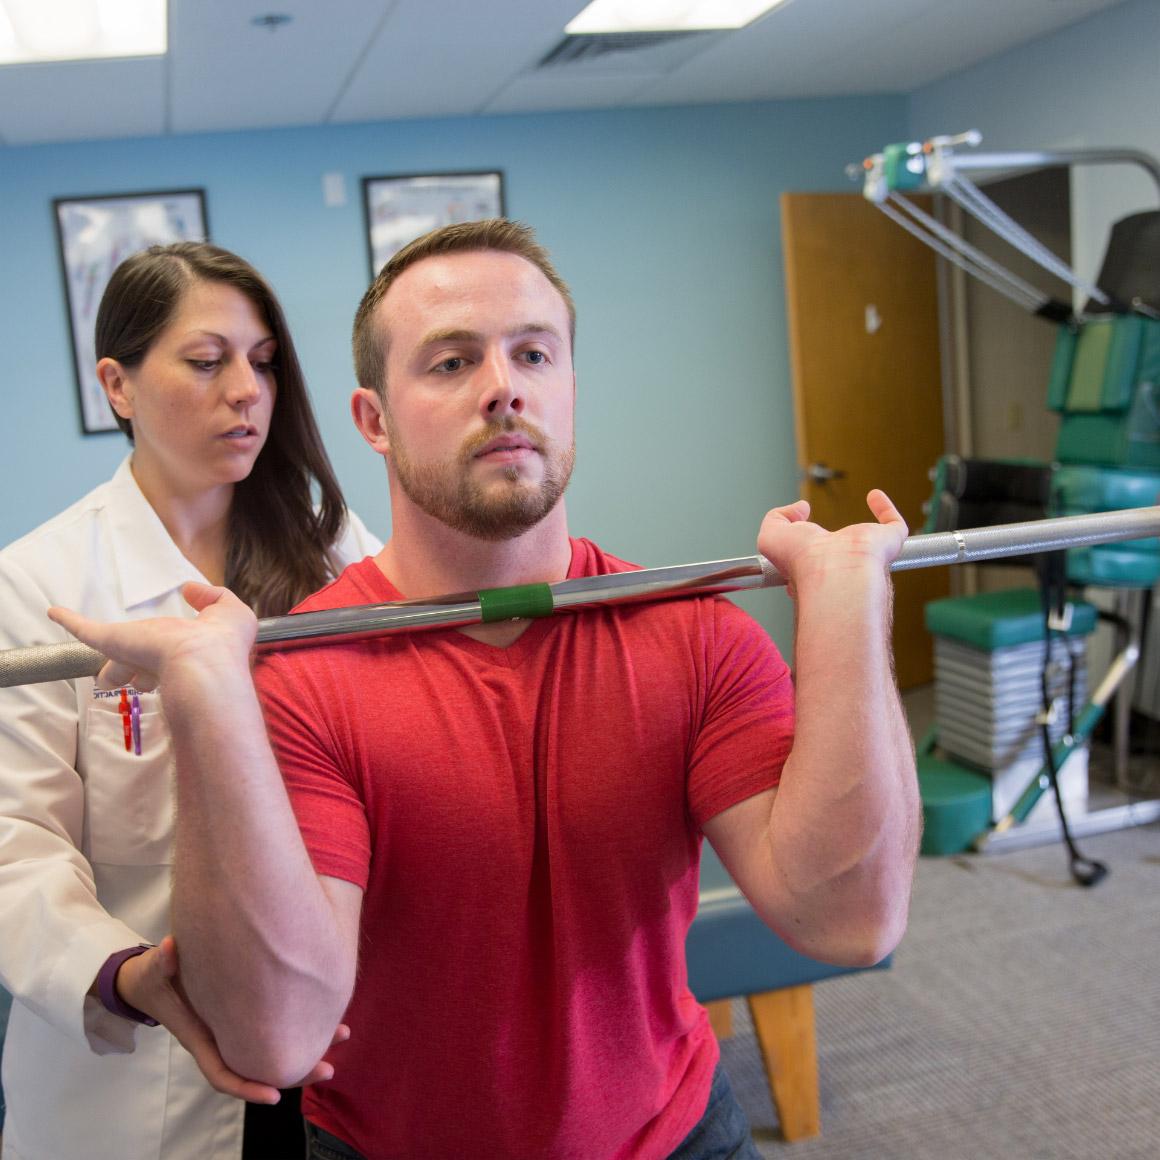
[[521, 600]]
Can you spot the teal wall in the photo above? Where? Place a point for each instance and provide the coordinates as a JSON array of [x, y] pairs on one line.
[[664, 221]]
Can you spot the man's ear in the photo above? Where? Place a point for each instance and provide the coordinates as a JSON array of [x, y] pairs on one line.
[[117, 387], [366, 409]]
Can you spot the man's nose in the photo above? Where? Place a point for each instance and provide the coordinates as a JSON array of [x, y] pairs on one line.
[[501, 393]]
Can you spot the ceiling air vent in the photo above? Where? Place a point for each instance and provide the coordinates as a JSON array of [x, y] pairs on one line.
[[635, 51]]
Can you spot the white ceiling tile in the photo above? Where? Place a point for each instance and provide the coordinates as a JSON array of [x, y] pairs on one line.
[[229, 74], [543, 92], [781, 55], [451, 57], [356, 60], [818, 48], [75, 100], [962, 36]]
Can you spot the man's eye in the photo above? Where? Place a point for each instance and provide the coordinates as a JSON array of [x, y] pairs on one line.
[[449, 365], [536, 357]]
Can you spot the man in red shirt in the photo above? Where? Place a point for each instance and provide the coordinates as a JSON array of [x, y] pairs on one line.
[[481, 851]]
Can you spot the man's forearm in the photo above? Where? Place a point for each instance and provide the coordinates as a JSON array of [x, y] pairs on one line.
[[845, 822], [264, 960]]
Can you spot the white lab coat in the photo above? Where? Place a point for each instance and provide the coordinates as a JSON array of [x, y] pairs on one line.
[[86, 836]]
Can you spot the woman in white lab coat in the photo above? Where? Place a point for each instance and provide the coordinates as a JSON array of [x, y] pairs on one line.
[[226, 482]]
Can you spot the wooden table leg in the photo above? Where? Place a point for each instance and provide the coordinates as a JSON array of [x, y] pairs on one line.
[[721, 1017], [784, 1023]]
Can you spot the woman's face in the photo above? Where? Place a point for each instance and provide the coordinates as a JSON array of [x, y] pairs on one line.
[[201, 399]]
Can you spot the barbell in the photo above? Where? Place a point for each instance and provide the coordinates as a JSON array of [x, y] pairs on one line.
[[37, 663]]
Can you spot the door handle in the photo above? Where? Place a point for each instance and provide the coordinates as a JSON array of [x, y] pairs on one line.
[[820, 473]]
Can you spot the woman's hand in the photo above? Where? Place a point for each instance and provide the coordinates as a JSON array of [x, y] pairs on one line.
[[151, 982]]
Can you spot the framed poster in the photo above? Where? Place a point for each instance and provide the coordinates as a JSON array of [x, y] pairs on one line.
[[95, 234], [401, 207]]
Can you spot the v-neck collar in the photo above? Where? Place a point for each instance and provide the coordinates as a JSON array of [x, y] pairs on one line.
[[380, 589]]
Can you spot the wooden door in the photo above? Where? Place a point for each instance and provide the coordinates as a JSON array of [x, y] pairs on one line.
[[864, 349]]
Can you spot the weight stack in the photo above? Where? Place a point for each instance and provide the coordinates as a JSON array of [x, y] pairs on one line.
[[989, 656]]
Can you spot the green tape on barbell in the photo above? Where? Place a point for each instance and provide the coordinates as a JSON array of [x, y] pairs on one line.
[[518, 601]]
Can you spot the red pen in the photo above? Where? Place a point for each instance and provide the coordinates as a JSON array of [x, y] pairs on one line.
[[127, 720]]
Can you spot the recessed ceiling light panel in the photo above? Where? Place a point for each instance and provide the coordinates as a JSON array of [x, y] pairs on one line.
[[44, 30], [602, 16]]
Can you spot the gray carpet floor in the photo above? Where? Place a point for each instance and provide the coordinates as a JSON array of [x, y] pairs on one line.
[[1020, 1018]]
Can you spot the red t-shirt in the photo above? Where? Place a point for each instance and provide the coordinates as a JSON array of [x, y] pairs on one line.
[[525, 823]]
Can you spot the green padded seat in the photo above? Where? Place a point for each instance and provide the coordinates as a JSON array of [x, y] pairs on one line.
[[994, 620], [1104, 379], [1080, 489], [956, 805], [1109, 567]]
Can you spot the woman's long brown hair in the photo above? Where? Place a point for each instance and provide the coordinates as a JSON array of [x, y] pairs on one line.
[[278, 537]]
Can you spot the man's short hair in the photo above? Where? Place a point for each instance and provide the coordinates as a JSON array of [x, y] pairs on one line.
[[370, 346]]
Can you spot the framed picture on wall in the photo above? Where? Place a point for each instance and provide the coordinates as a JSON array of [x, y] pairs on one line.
[[401, 207], [95, 234]]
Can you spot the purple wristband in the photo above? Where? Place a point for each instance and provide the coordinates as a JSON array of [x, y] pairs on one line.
[[107, 986]]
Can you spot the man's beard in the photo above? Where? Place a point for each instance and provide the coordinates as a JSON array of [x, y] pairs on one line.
[[447, 492]]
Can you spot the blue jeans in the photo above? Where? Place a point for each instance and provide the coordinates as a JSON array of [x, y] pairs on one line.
[[322, 1145], [5, 1007], [722, 1133]]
